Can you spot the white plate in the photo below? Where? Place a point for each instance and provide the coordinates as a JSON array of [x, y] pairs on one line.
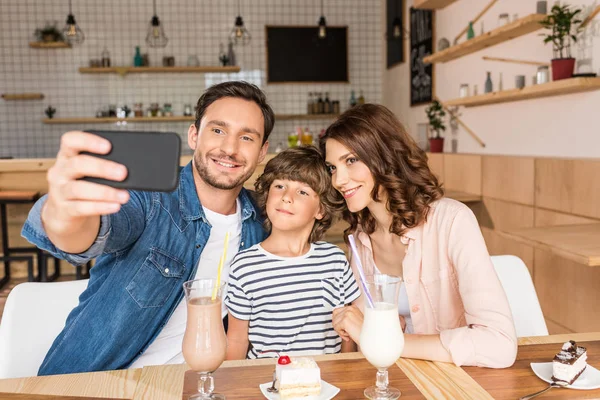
[[589, 379], [328, 391]]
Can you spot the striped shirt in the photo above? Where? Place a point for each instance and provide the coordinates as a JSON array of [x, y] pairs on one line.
[[288, 301]]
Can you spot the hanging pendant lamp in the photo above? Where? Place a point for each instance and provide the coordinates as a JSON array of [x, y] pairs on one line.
[[156, 34], [322, 24], [72, 32], [239, 34]]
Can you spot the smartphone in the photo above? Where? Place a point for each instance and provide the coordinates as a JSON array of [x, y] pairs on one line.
[[151, 158]]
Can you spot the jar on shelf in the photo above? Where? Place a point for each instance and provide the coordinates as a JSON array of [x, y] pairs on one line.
[[464, 90], [154, 109], [543, 74], [138, 110], [503, 19], [167, 110], [293, 139], [187, 110]]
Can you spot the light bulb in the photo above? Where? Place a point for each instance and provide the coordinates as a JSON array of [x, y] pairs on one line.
[[322, 32]]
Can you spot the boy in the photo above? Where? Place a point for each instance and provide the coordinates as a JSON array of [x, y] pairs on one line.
[[282, 291]]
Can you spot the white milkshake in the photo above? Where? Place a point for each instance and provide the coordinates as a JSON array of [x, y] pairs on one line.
[[381, 337]]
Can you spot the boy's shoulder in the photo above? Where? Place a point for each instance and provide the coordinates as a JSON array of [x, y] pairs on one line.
[[329, 248]]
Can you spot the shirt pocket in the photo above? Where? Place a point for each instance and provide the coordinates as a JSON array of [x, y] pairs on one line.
[[444, 298], [331, 293], [156, 279]]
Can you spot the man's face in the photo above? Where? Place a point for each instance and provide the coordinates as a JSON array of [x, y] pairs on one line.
[[228, 144]]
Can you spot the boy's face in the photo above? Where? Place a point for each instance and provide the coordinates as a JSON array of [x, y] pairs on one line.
[[292, 205]]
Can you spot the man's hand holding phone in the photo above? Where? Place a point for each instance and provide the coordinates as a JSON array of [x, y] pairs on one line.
[[71, 214]]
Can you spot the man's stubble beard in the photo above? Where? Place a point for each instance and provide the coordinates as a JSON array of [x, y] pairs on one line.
[[200, 162]]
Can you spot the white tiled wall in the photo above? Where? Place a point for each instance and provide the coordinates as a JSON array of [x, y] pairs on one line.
[[193, 27]]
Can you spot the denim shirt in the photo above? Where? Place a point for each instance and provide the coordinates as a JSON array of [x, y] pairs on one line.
[[144, 254]]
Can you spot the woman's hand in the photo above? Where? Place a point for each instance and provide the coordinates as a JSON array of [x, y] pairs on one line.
[[347, 322]]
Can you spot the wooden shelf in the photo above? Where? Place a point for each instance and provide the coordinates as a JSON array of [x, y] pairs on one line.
[[22, 96], [140, 70], [49, 45], [176, 118], [579, 243], [520, 27], [556, 88], [432, 4]]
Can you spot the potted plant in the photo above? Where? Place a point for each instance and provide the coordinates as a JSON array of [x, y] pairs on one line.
[[435, 113], [49, 33], [564, 26]]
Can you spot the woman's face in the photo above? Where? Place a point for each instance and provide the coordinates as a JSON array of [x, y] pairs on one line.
[[349, 175]]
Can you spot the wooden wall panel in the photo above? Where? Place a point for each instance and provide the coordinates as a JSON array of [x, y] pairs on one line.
[[463, 173], [553, 218], [556, 329], [508, 178], [568, 292], [498, 245], [569, 186], [436, 164], [503, 215]]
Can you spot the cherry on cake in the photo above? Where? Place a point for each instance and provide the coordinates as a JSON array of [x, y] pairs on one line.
[[569, 363], [297, 378]]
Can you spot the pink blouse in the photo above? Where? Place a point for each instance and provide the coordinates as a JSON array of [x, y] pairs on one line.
[[452, 287]]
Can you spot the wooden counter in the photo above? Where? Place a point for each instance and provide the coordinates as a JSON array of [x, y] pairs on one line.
[[579, 243], [432, 380]]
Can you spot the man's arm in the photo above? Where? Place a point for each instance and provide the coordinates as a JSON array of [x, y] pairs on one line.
[[237, 338]]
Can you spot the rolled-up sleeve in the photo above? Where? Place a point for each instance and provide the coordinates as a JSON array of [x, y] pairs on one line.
[[489, 339]]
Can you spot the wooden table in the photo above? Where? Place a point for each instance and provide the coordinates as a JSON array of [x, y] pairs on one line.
[[351, 372], [579, 243]]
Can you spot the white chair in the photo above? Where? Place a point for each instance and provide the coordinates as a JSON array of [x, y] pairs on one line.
[[34, 315], [522, 298]]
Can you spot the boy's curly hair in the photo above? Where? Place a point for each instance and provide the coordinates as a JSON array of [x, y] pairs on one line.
[[302, 164]]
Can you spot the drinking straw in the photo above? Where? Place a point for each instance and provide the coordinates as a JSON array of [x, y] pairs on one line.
[[361, 272], [221, 262]]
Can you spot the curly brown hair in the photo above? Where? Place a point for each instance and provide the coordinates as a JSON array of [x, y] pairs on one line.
[[374, 134], [302, 164]]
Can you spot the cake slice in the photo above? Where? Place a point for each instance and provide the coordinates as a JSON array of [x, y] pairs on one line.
[[569, 363], [297, 378]]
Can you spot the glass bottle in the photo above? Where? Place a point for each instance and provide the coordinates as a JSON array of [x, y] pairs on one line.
[[500, 84], [361, 98], [352, 101], [470, 31], [327, 104], [137, 59], [489, 87], [105, 58], [320, 104], [309, 105]]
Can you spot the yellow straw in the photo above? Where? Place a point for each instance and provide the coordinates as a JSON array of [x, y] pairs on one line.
[[221, 262]]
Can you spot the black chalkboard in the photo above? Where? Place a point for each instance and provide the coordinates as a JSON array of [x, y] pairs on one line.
[[395, 46], [421, 45], [296, 54]]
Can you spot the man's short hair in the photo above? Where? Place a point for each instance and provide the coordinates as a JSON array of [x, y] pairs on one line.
[[241, 90]]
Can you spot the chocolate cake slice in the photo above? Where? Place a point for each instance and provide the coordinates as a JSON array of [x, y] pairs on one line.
[[569, 363]]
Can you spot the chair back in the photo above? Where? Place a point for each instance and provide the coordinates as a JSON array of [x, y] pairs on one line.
[[522, 298], [34, 314]]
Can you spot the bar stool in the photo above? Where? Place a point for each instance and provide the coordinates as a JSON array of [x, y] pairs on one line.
[[8, 253]]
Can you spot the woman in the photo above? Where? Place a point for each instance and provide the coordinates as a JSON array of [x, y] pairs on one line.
[[452, 305]]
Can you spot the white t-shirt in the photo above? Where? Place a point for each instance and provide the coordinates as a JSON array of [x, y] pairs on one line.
[[166, 348]]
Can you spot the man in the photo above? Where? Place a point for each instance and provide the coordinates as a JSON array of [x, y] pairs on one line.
[[148, 243]]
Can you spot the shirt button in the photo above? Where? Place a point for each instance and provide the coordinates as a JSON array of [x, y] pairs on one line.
[[415, 309], [241, 244], [198, 246], [166, 270]]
